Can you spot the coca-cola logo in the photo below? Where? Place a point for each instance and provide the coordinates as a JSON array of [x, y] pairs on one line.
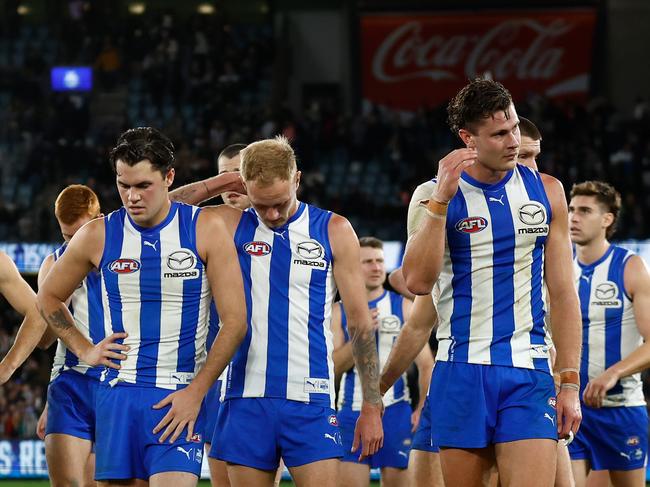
[[521, 48]]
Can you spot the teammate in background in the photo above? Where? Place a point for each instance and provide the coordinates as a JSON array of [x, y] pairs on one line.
[[494, 230], [158, 261], [398, 420], [281, 381], [531, 143], [614, 290]]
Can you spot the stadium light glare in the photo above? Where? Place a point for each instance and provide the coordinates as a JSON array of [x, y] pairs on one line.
[[206, 9], [137, 8], [23, 9]]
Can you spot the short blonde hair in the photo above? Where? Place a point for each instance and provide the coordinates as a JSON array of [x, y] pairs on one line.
[[74, 202], [268, 159]]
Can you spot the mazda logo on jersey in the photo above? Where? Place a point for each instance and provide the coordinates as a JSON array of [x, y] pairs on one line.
[[606, 290], [532, 214], [390, 324], [310, 249], [257, 248], [124, 266], [180, 260], [472, 224]]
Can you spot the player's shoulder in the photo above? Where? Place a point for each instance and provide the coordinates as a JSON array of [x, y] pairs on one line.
[[423, 191], [7, 265], [227, 214]]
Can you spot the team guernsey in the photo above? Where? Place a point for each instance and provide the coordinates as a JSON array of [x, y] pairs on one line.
[[389, 306], [155, 289], [289, 289], [615, 436], [88, 313], [492, 302]]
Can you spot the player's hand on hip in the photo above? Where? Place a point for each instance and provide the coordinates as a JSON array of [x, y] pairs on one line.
[[597, 388], [42, 424], [368, 432], [450, 168], [568, 412], [415, 419], [185, 407], [106, 351]]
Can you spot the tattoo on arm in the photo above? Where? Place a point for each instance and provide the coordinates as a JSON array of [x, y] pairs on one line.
[[57, 319], [364, 347], [183, 194]]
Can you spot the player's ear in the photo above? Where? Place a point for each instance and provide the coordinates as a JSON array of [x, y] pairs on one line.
[[608, 219], [467, 138], [169, 177], [297, 178]]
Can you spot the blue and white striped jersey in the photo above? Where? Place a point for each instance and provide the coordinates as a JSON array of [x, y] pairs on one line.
[[214, 325], [391, 319], [86, 308], [609, 331], [289, 287], [156, 290], [492, 304]]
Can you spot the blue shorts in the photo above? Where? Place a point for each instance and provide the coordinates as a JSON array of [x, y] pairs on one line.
[[612, 438], [397, 437], [71, 405], [256, 432], [126, 446], [422, 437], [473, 406], [212, 405]]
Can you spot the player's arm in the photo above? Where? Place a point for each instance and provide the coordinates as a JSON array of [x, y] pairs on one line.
[[217, 249], [412, 338], [200, 191], [49, 337], [13, 287], [637, 284], [81, 256], [349, 280], [424, 363], [566, 322], [342, 353], [397, 282], [425, 249]]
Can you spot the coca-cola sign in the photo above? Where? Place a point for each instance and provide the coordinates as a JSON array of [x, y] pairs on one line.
[[411, 61]]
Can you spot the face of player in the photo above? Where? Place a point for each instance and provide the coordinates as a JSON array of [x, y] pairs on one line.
[[68, 231], [236, 200], [373, 267], [496, 140], [529, 150], [275, 203], [144, 191], [588, 220]]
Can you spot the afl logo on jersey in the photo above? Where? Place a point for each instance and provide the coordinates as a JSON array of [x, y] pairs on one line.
[[124, 266], [257, 248], [472, 224]]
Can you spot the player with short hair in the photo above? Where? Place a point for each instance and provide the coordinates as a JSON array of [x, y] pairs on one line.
[[392, 310], [531, 143], [280, 387], [614, 289], [493, 231], [158, 262]]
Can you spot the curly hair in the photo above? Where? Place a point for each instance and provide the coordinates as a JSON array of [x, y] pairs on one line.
[[142, 143], [478, 100]]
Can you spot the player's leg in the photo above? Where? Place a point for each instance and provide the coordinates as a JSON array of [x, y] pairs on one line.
[[175, 479], [580, 469], [67, 457], [599, 478], [466, 467], [89, 471], [393, 457], [323, 473], [626, 478], [242, 476], [527, 462], [218, 470], [424, 469], [563, 473], [352, 474], [123, 483]]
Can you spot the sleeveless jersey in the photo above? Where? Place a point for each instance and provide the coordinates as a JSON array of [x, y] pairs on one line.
[[391, 319], [86, 308], [156, 290], [492, 303], [609, 331], [289, 287]]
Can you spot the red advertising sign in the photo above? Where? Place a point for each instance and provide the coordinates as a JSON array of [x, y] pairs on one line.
[[413, 60]]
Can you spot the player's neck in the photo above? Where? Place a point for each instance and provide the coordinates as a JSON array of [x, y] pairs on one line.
[[160, 216], [374, 293], [484, 174], [591, 252]]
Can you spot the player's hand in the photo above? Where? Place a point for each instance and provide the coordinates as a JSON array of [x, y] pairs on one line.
[[368, 432], [185, 407], [42, 424], [568, 412], [237, 184], [450, 168], [597, 388], [415, 418], [5, 372], [374, 314], [103, 352]]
